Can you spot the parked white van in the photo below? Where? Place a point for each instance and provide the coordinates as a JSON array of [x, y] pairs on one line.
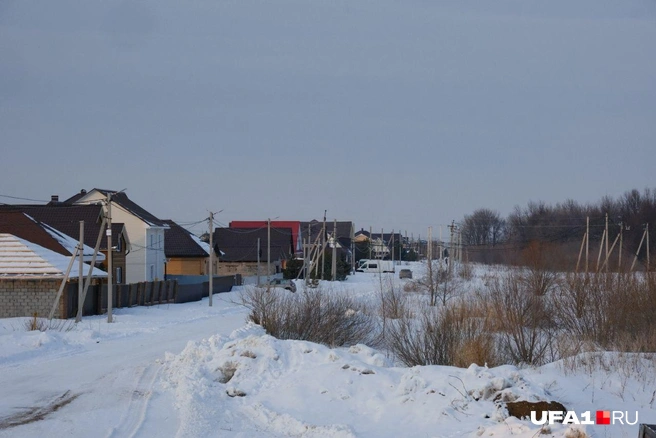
[[375, 266]]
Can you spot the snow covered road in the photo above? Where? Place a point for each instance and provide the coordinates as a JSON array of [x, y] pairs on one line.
[[99, 377]]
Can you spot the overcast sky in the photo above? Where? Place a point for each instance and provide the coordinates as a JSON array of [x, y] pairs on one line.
[[392, 114]]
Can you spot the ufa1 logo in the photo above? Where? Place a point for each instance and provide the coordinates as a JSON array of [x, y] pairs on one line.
[[570, 417]]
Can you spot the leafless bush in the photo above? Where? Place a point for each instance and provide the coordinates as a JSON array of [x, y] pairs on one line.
[[393, 303], [438, 282], [421, 341], [43, 324], [525, 326], [476, 343], [613, 311], [454, 335], [466, 271], [313, 315]]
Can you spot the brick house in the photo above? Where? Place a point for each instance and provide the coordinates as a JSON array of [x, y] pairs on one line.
[[239, 250], [185, 253]]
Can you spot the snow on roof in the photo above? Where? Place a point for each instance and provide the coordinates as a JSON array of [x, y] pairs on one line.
[[204, 245], [70, 244], [21, 258]]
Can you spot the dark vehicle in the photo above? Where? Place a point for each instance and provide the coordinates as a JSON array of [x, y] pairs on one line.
[[405, 273]]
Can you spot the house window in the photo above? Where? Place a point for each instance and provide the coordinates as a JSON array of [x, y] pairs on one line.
[[119, 275], [152, 241], [152, 272], [119, 244]]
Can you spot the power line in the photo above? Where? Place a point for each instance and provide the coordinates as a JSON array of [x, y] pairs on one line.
[[23, 199]]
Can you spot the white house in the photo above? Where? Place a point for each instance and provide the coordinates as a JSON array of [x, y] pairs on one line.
[[146, 261]]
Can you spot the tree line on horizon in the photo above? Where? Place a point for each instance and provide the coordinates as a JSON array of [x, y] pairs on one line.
[[553, 235]]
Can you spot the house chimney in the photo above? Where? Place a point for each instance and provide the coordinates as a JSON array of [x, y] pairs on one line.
[[54, 198]]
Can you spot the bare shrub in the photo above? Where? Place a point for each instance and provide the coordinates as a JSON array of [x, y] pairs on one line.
[[420, 341], [454, 335], [438, 282], [466, 271], [43, 324], [393, 303], [613, 311], [476, 344], [525, 326], [313, 315]]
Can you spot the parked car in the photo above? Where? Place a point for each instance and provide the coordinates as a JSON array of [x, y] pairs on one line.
[[281, 283], [405, 273]]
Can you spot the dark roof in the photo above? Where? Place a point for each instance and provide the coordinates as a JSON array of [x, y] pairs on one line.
[[18, 224], [66, 219], [343, 231], [75, 197], [180, 243], [240, 244], [122, 199]]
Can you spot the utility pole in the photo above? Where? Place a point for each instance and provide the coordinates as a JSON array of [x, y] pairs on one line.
[[607, 238], [452, 229], [80, 285], [619, 261], [392, 245], [323, 246], [334, 261], [258, 262], [371, 239], [268, 252], [80, 307], [110, 254], [211, 271], [587, 242], [646, 233]]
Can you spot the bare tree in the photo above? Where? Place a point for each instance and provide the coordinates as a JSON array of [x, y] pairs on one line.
[[483, 227]]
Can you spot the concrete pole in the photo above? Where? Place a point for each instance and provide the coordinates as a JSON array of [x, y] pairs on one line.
[[268, 251], [211, 271], [110, 254], [80, 286], [334, 261]]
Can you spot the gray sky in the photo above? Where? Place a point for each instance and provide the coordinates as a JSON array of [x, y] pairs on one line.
[[391, 114]]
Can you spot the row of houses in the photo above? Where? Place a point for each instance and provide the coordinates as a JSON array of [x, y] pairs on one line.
[[35, 240]]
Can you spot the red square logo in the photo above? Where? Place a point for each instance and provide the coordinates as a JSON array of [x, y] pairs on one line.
[[603, 417]]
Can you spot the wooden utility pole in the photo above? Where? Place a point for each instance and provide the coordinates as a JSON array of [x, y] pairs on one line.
[[268, 251], [392, 245], [607, 239], [619, 261], [323, 246], [581, 252], [80, 282], [645, 233], [80, 307], [371, 240], [334, 261], [258, 262], [78, 251], [587, 242], [110, 254], [211, 270], [601, 247]]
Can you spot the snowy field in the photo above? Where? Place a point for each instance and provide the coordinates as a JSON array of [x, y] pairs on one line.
[[188, 370]]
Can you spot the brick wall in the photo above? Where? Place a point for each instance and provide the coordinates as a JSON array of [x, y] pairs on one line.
[[246, 269], [23, 297]]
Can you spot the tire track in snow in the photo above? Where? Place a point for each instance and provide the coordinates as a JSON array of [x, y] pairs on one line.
[[135, 413]]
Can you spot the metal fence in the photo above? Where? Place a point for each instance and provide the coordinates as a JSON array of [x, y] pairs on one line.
[[143, 294]]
